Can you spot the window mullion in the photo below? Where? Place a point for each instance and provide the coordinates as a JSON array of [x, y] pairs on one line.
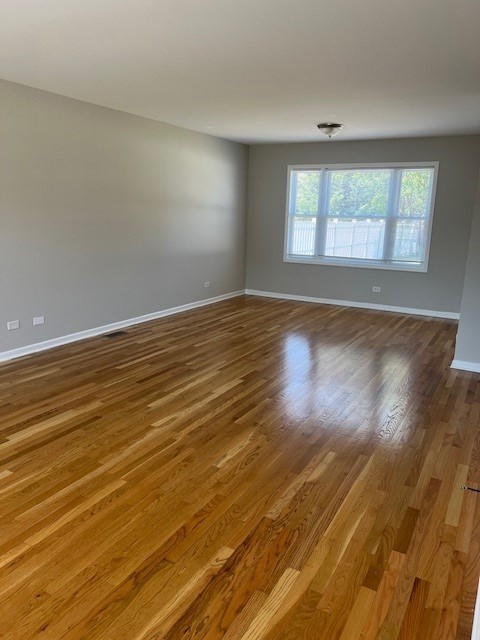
[[321, 227], [390, 221]]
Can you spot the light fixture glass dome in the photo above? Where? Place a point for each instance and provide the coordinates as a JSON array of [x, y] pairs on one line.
[[330, 129]]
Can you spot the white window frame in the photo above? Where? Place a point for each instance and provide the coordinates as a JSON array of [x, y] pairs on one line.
[[362, 262]]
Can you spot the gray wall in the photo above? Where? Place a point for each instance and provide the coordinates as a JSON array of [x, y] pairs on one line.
[[440, 289], [468, 337], [107, 216]]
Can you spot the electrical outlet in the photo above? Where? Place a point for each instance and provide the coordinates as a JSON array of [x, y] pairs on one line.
[[206, 284], [14, 324], [376, 289], [38, 320]]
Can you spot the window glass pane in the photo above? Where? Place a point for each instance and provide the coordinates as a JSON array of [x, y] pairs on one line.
[[353, 238], [302, 236], [410, 237], [307, 184], [415, 192], [359, 193]]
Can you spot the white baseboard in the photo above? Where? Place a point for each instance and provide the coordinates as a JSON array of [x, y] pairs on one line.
[[359, 305], [107, 328], [465, 365]]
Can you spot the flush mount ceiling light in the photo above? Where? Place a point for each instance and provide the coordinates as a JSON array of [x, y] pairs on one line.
[[330, 129]]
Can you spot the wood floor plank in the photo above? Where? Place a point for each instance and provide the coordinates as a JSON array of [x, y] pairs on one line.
[[255, 469]]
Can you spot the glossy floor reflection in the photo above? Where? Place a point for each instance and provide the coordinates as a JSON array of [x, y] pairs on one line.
[[254, 469]]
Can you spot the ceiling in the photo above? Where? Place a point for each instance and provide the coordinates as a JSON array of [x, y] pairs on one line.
[[257, 70]]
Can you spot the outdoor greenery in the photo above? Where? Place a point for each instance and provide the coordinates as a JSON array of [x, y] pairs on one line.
[[359, 193], [414, 192], [307, 192], [364, 193]]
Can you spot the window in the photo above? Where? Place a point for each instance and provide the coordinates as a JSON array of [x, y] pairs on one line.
[[376, 216]]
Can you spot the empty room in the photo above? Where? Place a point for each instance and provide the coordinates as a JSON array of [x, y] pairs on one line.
[[239, 320]]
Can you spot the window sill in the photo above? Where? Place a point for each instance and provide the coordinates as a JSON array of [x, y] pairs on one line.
[[358, 264]]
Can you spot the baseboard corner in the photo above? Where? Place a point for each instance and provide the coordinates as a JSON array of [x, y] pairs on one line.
[[465, 365]]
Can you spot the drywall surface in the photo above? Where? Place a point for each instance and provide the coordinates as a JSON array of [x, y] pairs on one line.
[[440, 289], [107, 216], [468, 337]]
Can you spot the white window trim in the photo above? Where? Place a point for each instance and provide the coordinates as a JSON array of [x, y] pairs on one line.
[[361, 262]]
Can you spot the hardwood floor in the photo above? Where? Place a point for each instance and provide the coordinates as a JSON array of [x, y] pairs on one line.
[[254, 469]]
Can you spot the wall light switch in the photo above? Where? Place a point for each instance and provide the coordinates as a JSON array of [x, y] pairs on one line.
[[376, 289], [206, 284], [14, 324], [38, 320]]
